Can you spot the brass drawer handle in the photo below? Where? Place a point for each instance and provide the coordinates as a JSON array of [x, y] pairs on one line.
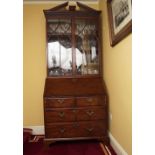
[[90, 113], [61, 114], [60, 101], [89, 129], [90, 100], [62, 130]]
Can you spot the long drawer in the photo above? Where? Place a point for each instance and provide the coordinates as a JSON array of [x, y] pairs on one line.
[[76, 129], [74, 114], [66, 102]]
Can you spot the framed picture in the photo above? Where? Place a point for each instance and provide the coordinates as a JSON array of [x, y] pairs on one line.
[[120, 19]]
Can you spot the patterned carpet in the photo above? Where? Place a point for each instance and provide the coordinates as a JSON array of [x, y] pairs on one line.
[[35, 146]]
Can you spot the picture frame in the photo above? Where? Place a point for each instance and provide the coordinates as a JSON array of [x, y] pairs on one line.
[[120, 19]]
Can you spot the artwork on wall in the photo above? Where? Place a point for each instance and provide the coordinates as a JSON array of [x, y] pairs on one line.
[[120, 19]]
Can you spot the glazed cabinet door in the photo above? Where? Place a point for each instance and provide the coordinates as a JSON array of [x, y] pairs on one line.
[[59, 47], [87, 53]]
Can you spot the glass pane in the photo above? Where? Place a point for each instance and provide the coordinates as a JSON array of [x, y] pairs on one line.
[[86, 47], [59, 47]]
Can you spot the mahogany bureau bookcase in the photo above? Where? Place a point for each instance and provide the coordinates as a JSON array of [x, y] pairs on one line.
[[75, 98]]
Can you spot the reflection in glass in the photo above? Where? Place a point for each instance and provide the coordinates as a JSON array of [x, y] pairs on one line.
[[86, 44], [59, 59], [59, 47]]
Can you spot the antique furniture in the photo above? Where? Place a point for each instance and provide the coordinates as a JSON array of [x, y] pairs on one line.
[[75, 99]]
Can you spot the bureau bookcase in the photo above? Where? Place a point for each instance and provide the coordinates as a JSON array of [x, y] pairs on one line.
[[75, 99]]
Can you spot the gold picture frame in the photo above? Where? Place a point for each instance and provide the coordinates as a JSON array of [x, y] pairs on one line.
[[120, 19]]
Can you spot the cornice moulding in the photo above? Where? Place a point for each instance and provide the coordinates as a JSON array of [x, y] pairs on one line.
[[58, 2]]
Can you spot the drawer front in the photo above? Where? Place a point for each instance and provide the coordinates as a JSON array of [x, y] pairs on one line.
[[59, 131], [90, 101], [59, 102], [76, 129], [59, 115], [92, 129], [87, 114]]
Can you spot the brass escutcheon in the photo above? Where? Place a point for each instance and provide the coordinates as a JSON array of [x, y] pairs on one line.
[[61, 114]]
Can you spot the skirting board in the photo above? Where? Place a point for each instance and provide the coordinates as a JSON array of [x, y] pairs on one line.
[[39, 130], [116, 146], [36, 130]]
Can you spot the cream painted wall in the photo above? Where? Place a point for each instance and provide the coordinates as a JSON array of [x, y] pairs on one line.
[[118, 79], [34, 59]]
